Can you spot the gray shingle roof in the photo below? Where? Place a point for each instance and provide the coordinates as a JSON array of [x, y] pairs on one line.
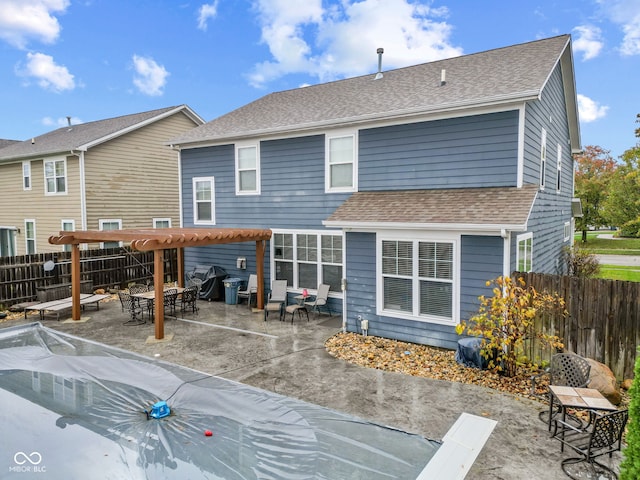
[[6, 143], [78, 136], [512, 73], [480, 208]]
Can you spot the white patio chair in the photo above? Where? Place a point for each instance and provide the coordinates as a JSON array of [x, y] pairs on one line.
[[250, 289], [320, 300], [277, 298]]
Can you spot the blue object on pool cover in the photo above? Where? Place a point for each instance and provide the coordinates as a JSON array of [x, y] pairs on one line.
[[76, 409]]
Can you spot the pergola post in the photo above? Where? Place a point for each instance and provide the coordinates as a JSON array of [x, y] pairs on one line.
[[260, 246], [180, 262], [75, 281], [158, 286]]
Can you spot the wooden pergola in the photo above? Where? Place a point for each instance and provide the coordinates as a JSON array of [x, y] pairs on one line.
[[158, 240]]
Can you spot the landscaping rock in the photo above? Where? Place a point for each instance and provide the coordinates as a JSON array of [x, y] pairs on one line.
[[603, 379]]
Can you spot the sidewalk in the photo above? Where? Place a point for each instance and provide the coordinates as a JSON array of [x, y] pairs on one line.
[[232, 342]]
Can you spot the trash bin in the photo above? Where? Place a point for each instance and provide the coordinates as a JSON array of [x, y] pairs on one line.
[[231, 286]]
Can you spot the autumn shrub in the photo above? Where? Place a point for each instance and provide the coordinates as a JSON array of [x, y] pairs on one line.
[[580, 262], [630, 466], [505, 320]]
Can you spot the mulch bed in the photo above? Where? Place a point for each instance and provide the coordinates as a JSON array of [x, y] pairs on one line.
[[423, 361]]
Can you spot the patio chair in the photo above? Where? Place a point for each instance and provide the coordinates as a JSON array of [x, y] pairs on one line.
[[277, 298], [139, 288], [189, 299], [600, 437], [320, 300], [250, 289], [132, 307], [566, 369], [169, 300]]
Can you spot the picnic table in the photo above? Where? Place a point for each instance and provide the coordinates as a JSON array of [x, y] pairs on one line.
[[57, 306]]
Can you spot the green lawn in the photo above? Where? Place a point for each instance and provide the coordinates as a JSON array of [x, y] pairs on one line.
[[617, 272], [607, 246]]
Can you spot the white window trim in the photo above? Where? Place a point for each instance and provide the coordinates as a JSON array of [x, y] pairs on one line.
[[196, 221], [27, 238], [163, 219], [567, 231], [66, 178], [559, 169], [412, 237], [27, 164], [240, 146], [67, 248], [101, 223], [522, 238], [543, 158], [295, 288], [327, 170]]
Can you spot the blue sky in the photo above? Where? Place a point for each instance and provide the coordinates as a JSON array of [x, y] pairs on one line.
[[96, 59]]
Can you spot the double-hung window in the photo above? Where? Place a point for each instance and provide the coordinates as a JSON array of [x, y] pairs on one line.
[[110, 224], [247, 170], [417, 279], [30, 236], [341, 163], [307, 259], [26, 175], [67, 226], [524, 252], [161, 223], [204, 212], [543, 157], [55, 176]]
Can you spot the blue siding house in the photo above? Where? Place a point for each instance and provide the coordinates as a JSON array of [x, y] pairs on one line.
[[404, 190]]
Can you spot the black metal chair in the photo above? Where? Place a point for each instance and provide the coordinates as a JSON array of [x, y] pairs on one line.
[[139, 288], [601, 436], [189, 299], [132, 307], [566, 369]]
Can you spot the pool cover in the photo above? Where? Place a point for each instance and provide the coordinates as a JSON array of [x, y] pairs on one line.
[[72, 408]]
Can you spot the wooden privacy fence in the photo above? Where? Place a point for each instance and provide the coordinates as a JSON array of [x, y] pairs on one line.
[[21, 276], [603, 321]]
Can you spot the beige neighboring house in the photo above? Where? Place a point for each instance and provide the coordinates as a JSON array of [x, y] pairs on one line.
[[103, 175]]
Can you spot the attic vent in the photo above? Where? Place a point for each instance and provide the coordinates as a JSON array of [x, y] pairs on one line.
[[379, 75]]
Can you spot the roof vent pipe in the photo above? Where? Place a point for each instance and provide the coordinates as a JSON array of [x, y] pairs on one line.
[[68, 120], [443, 77], [380, 51]]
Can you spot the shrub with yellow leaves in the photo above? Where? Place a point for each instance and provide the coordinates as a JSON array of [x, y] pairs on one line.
[[505, 320]]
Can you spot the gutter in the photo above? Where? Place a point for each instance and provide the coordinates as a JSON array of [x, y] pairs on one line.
[[498, 229]]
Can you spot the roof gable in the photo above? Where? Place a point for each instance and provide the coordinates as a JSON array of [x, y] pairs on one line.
[[86, 135], [509, 74]]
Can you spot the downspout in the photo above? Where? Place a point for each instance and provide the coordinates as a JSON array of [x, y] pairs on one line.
[[83, 191], [506, 260], [177, 149]]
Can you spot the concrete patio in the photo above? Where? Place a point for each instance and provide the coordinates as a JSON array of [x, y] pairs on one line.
[[234, 342]]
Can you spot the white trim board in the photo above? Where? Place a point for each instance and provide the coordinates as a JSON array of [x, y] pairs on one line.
[[460, 448]]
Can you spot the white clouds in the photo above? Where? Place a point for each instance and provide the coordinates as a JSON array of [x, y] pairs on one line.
[[590, 110], [60, 121], [625, 13], [150, 78], [205, 12], [21, 20], [48, 75], [588, 41], [342, 40]]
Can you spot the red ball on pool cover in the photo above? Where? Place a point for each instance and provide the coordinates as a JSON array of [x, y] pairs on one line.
[[208, 433]]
